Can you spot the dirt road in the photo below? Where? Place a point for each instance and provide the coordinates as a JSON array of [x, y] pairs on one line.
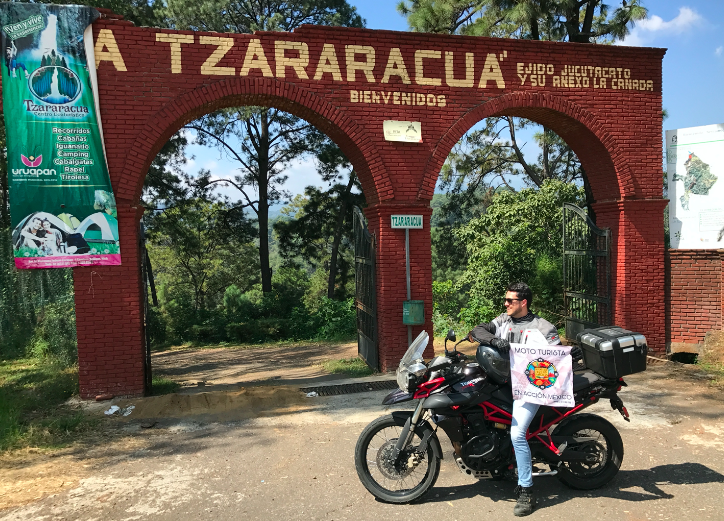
[[224, 367], [294, 460]]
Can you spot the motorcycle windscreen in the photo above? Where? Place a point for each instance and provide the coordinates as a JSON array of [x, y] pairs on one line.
[[414, 352]]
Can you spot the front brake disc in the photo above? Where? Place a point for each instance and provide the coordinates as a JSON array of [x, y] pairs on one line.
[[408, 462]]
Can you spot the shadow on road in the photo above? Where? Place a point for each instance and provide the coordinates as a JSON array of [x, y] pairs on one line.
[[551, 492]]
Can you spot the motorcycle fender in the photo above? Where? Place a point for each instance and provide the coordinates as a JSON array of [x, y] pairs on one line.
[[423, 428], [396, 396]]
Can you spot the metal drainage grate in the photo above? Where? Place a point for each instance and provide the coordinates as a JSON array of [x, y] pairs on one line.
[[365, 387]]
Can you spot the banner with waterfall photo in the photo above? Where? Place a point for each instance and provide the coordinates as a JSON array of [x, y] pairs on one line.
[[62, 206]]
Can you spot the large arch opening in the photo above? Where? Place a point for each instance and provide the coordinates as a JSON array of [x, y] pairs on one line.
[[244, 315], [605, 175]]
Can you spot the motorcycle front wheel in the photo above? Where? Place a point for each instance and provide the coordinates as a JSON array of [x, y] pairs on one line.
[[604, 443], [403, 482]]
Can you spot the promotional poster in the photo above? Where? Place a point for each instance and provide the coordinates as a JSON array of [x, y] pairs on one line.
[[62, 205], [542, 374]]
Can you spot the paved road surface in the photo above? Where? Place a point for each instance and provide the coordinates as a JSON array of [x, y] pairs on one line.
[[300, 466]]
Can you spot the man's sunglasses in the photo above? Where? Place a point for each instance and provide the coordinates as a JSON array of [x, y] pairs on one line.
[[510, 300]]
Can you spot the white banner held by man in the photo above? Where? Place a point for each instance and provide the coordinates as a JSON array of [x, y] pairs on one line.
[[542, 374]]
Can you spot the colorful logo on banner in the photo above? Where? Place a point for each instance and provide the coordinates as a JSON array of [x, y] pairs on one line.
[[542, 374], [62, 206]]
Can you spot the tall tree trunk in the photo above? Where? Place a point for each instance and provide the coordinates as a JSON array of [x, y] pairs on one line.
[[263, 213], [589, 196], [339, 227], [534, 32]]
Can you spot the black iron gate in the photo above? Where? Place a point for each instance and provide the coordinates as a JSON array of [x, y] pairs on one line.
[[365, 291], [586, 272]]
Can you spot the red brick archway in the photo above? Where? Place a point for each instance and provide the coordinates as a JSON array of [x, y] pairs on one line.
[[604, 101]]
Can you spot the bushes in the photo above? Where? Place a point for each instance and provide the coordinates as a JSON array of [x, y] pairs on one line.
[[337, 319], [293, 310], [55, 336]]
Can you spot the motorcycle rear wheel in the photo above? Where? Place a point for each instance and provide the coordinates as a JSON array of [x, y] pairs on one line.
[[607, 447], [408, 481]]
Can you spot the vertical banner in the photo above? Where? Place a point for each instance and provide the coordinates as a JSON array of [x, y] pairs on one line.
[[542, 374], [62, 206]]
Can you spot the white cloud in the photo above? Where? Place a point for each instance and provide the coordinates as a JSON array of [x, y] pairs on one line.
[[719, 50], [645, 31]]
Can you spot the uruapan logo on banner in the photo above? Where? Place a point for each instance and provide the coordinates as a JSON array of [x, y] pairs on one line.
[[542, 374], [62, 205]]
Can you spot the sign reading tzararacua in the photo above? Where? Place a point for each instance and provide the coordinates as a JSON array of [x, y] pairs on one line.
[[390, 73], [62, 205]]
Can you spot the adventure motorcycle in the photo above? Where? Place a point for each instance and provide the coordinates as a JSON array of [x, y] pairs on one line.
[[398, 456]]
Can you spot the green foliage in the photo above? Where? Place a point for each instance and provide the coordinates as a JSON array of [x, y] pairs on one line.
[[547, 284], [519, 238], [337, 319], [29, 298], [319, 233], [237, 16], [198, 248], [32, 409], [445, 297], [354, 367], [252, 316], [160, 385], [441, 324], [558, 20], [55, 336], [157, 326], [478, 310]]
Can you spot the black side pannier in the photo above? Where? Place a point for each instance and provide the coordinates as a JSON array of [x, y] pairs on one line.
[[612, 351]]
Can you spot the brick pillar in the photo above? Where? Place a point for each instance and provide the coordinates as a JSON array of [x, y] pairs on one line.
[[391, 281], [637, 265], [109, 318]]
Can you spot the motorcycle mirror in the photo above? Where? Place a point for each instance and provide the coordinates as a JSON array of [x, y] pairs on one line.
[[451, 336]]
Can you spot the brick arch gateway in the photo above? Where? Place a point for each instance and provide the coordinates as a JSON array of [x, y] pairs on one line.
[[604, 101]]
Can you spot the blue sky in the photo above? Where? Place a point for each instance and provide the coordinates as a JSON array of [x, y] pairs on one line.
[[692, 31]]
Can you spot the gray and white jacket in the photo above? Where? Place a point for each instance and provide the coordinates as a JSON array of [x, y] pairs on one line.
[[512, 329]]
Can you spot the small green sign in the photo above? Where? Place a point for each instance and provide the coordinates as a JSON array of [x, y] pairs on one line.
[[407, 221], [413, 312]]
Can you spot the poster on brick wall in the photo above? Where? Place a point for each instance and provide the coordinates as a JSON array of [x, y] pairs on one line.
[[62, 207], [695, 173]]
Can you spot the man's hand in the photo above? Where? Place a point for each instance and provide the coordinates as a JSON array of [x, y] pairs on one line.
[[502, 345], [576, 353]]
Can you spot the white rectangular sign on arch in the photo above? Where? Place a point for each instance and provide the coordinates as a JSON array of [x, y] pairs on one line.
[[695, 172]]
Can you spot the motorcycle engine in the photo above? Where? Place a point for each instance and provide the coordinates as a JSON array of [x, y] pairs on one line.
[[485, 448]]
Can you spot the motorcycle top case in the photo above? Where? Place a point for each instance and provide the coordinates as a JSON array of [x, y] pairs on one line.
[[612, 351]]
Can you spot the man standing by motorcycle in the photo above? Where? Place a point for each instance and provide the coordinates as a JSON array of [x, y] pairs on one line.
[[510, 327]]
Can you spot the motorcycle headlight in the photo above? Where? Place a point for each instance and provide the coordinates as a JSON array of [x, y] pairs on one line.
[[406, 375], [402, 375], [418, 369]]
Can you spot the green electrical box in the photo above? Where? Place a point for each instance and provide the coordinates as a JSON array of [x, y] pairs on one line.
[[413, 312]]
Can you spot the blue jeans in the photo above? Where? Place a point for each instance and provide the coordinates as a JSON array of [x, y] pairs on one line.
[[522, 416]]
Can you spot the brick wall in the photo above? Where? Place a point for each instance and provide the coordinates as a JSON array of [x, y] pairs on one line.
[[693, 297], [605, 101]]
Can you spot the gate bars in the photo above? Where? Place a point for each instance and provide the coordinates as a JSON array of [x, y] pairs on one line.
[[365, 297], [586, 272]]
